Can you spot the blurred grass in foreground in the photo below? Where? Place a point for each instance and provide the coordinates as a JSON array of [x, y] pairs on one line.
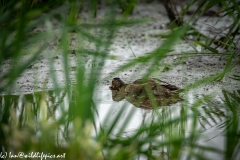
[[33, 124]]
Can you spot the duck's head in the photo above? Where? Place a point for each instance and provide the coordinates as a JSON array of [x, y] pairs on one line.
[[117, 83]]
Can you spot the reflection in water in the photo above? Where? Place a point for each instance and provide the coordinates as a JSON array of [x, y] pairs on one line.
[[31, 113], [146, 94], [49, 99], [176, 122]]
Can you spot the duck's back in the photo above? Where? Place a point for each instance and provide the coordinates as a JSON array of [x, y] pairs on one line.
[[155, 81]]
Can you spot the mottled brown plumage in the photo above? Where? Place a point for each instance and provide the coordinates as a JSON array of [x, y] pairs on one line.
[[145, 94]]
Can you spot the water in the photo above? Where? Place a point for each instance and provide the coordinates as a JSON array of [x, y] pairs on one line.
[[52, 106]]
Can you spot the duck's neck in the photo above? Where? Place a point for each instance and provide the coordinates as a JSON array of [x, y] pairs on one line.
[[123, 86]]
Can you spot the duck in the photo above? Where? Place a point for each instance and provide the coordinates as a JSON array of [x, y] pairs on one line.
[[145, 93]]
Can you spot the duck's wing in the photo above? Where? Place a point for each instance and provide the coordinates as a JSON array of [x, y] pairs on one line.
[[165, 84], [139, 81], [134, 89], [157, 82]]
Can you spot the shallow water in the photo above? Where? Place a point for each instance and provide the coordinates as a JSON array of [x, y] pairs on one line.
[[106, 110]]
